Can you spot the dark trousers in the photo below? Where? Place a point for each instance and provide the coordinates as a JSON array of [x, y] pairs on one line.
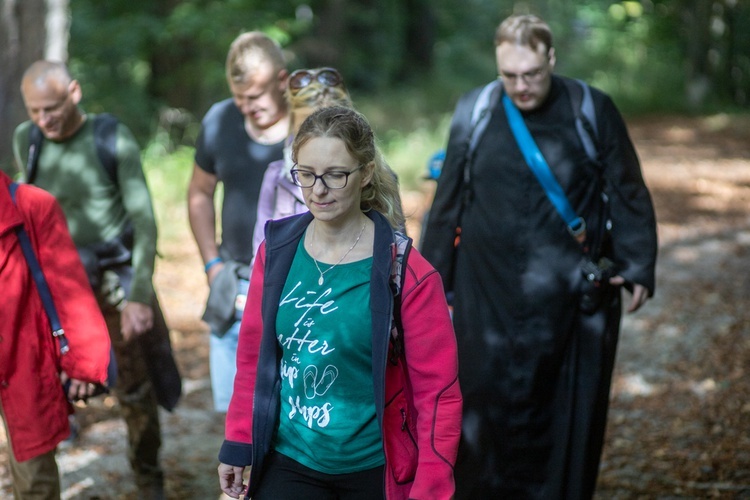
[[284, 478]]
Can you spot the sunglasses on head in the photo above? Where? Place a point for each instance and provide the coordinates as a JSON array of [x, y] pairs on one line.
[[301, 78]]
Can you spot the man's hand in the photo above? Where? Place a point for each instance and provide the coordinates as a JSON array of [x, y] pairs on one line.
[[136, 319], [214, 272], [640, 293], [230, 480]]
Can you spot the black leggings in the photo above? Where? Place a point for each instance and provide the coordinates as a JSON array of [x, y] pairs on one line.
[[287, 479]]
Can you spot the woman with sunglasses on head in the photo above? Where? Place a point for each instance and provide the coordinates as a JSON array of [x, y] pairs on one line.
[[307, 90], [329, 402]]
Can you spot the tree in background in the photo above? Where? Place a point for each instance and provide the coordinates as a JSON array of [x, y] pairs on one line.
[[24, 36], [12, 18], [717, 38], [158, 64]]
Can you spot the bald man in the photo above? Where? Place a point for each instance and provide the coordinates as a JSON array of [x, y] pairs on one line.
[[103, 211]]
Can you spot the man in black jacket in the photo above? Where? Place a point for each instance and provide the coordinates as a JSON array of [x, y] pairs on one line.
[[537, 301]]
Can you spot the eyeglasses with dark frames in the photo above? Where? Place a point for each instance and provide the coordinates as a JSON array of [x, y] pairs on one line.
[[335, 179], [301, 78]]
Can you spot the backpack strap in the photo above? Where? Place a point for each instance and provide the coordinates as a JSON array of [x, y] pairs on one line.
[[480, 116], [581, 101], [36, 139], [585, 114], [39, 279], [105, 141], [400, 248], [539, 166], [482, 112]]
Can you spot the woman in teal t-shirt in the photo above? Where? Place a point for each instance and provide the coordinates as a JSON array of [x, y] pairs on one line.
[[325, 406]]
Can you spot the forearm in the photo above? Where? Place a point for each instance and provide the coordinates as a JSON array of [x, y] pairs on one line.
[[202, 216], [138, 205], [144, 258]]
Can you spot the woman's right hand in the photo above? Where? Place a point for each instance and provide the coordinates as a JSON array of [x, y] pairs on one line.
[[230, 480]]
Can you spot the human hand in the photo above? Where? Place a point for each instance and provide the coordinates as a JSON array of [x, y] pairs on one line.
[[213, 272], [230, 480], [640, 293], [136, 319], [78, 389]]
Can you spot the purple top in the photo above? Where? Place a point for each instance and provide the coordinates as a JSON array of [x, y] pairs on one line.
[[279, 198]]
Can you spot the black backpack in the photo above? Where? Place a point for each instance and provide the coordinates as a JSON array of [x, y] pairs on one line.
[[580, 100], [105, 139]]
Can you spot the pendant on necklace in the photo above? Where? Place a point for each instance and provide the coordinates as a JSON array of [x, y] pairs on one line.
[[315, 261]]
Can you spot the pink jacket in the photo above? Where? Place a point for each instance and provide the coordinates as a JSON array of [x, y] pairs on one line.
[[419, 408], [36, 411]]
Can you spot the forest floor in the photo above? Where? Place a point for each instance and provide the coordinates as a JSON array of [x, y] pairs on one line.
[[679, 422]]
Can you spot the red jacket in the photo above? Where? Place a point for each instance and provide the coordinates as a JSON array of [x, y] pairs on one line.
[[420, 417], [35, 408]]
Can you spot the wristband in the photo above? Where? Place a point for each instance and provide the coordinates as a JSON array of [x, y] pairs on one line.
[[211, 263]]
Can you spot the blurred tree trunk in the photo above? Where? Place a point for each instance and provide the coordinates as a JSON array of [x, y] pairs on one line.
[[697, 34], [22, 41], [715, 33], [58, 30], [736, 67], [373, 42], [24, 38], [166, 61], [420, 37]]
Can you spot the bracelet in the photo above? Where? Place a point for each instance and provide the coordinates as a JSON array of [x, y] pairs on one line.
[[211, 263]]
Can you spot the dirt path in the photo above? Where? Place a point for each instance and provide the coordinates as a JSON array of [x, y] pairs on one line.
[[680, 413]]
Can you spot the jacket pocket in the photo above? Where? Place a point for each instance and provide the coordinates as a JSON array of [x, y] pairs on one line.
[[400, 439]]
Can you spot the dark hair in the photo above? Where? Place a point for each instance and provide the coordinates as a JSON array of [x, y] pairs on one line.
[[351, 127]]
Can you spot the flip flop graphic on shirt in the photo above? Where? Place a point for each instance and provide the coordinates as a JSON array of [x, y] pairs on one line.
[[315, 387]]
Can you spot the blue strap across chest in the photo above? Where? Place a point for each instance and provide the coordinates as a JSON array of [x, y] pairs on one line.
[[540, 168]]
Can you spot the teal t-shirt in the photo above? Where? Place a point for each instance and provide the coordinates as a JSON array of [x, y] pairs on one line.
[[327, 421]]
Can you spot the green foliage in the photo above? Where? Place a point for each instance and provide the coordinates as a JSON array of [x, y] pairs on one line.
[[168, 175], [408, 152], [411, 124], [626, 53], [137, 57], [149, 61], [159, 64]]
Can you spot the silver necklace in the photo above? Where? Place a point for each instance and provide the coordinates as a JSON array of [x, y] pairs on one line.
[[315, 261]]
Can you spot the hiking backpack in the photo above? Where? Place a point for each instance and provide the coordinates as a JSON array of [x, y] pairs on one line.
[[105, 140], [580, 99]]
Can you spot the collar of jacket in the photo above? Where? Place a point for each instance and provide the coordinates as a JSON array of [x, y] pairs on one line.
[[280, 233], [11, 216]]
